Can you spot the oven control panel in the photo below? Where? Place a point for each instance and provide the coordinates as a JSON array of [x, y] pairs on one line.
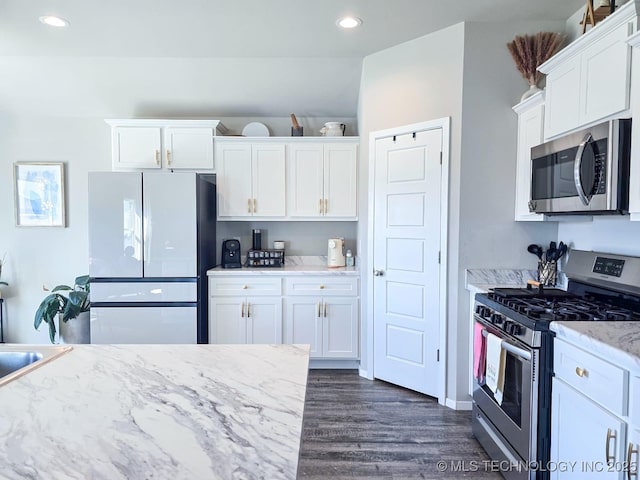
[[608, 266]]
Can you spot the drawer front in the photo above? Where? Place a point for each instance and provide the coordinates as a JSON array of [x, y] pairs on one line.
[[250, 285], [598, 379], [144, 292], [325, 286], [634, 399]]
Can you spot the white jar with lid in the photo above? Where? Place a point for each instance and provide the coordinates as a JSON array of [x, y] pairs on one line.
[[333, 129]]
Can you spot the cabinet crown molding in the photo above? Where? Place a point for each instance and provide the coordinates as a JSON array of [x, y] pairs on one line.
[[533, 101], [627, 13], [158, 122]]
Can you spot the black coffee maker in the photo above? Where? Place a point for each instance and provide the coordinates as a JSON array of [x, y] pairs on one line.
[[230, 254]]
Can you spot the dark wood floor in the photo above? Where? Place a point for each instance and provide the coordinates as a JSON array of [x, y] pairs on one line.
[[357, 428]]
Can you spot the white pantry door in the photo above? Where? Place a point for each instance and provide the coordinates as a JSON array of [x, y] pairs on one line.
[[406, 249]]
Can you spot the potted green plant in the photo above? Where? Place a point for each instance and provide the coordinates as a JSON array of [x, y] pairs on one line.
[[75, 304]]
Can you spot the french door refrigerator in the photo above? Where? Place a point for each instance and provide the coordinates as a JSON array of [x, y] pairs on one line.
[[151, 242]]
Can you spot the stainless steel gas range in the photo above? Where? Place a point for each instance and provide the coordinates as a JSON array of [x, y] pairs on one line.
[[516, 430]]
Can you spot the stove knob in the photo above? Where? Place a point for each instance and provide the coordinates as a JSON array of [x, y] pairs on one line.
[[508, 325], [496, 318], [516, 329]]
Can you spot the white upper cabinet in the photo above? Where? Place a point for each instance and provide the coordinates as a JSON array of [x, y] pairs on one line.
[[588, 80], [323, 180], [530, 133], [251, 180], [163, 144], [634, 175]]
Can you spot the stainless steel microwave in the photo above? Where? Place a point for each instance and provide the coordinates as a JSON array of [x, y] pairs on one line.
[[585, 172]]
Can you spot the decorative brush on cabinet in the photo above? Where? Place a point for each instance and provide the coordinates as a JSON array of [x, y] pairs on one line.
[[251, 179], [588, 80], [163, 144], [323, 180], [530, 133]]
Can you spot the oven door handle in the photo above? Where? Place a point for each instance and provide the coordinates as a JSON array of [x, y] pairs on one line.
[[577, 166], [509, 347]]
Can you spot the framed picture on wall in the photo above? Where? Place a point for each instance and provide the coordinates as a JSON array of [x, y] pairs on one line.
[[39, 194]]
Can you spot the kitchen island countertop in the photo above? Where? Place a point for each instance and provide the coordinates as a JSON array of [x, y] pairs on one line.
[[157, 411], [618, 342]]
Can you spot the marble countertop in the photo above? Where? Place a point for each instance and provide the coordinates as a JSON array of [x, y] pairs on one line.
[[617, 342], [157, 411], [480, 280], [294, 265]]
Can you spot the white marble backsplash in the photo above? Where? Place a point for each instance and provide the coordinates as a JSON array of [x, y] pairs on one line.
[[298, 260]]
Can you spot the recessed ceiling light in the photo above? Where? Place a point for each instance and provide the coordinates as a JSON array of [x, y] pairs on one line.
[[349, 22], [54, 21]]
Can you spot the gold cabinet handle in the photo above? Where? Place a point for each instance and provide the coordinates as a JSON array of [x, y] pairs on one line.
[[248, 205], [320, 206], [321, 287], [248, 310], [168, 157], [242, 310], [157, 157], [319, 309], [632, 472], [581, 372], [611, 435], [326, 206], [255, 207], [325, 310]]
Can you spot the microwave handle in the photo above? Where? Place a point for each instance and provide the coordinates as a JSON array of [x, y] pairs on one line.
[[577, 166]]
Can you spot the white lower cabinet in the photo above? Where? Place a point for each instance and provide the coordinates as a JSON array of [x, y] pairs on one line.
[[590, 423], [322, 311], [328, 324], [246, 320], [585, 435]]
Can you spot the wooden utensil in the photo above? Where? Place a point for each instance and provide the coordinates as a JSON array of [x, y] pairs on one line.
[[294, 121]]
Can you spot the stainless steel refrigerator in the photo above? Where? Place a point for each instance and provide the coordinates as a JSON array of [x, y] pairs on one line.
[[151, 242]]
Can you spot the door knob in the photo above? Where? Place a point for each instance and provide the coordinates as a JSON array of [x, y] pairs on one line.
[[378, 273]]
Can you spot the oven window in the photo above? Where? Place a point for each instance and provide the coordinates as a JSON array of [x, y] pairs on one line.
[[512, 393]]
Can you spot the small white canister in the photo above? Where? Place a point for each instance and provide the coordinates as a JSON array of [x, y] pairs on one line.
[[333, 129]]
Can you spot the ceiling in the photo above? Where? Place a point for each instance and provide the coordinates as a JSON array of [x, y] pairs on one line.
[[245, 28], [215, 58]]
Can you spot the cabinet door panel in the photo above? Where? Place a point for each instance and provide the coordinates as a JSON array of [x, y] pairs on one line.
[[579, 430], [529, 135], [340, 328], [170, 227], [115, 224], [304, 325], [340, 180], [563, 99], [227, 320], [234, 180], [136, 147], [305, 180], [188, 147], [265, 320], [605, 78], [269, 181]]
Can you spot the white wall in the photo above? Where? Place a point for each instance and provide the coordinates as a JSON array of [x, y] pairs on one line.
[[489, 237], [610, 234], [52, 256], [416, 81], [465, 72]]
